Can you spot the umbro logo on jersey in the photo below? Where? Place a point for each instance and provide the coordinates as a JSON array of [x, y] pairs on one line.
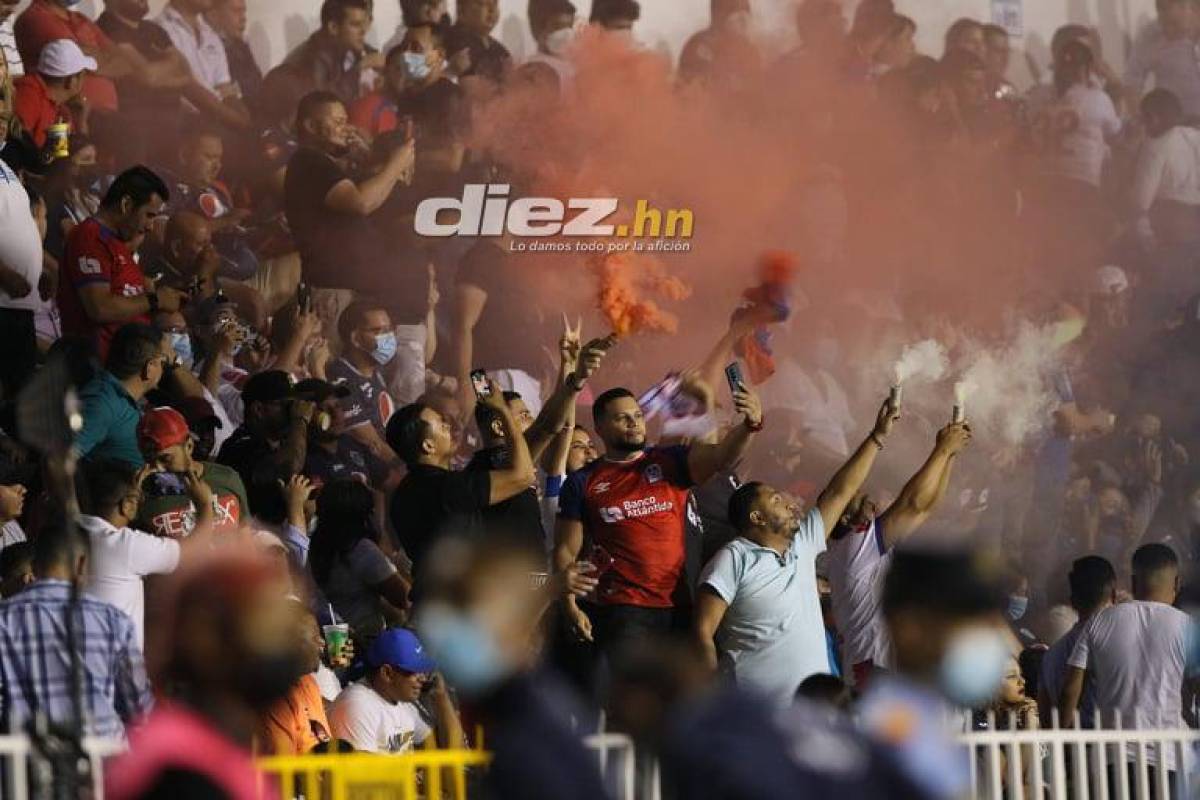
[[599, 488]]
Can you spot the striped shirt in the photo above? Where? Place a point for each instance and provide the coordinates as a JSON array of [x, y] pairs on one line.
[[8, 47], [35, 668]]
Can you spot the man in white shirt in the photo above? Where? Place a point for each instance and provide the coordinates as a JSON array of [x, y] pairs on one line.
[[20, 271], [213, 92], [1137, 655], [860, 551], [1166, 181], [379, 714], [110, 496], [1166, 50], [758, 612]]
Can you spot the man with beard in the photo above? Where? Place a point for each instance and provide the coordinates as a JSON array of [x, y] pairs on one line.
[[861, 547], [631, 506], [272, 442], [234, 653], [758, 596]]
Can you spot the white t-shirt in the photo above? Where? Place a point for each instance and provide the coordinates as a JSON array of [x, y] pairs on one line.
[[373, 725], [856, 564], [120, 558], [1168, 168], [772, 636], [20, 241], [1137, 656], [1085, 120]]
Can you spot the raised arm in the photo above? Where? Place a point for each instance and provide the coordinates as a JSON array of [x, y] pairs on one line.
[[561, 403], [519, 474], [706, 460], [850, 478], [926, 488], [366, 197], [469, 301]]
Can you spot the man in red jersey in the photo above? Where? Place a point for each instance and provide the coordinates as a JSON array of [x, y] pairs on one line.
[[103, 287], [631, 507]]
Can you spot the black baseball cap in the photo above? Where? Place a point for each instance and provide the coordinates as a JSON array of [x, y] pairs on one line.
[[318, 390], [268, 387], [954, 581]]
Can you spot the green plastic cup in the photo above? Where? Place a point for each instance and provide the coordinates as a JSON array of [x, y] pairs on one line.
[[336, 637]]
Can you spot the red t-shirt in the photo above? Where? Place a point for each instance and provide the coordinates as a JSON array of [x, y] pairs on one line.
[[35, 109], [43, 22], [636, 511], [374, 114], [95, 254]]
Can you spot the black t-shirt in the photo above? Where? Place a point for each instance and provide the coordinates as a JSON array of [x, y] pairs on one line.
[[247, 453], [489, 58], [153, 44], [348, 251], [432, 502], [509, 333], [337, 250], [519, 516]]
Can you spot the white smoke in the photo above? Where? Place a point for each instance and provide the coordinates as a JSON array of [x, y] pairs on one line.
[[924, 361], [1010, 385]]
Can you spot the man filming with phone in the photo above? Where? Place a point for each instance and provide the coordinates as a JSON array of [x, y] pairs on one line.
[[630, 506]]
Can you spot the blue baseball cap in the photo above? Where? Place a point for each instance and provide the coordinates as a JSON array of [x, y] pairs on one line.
[[399, 648]]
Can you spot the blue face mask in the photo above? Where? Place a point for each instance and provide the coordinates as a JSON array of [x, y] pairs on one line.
[[416, 67], [464, 651], [385, 348], [973, 666], [1017, 606], [181, 343]]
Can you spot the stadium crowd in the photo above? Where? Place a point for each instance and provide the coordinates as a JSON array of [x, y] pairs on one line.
[[306, 521]]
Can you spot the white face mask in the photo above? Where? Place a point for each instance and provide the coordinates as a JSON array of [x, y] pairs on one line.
[[558, 41]]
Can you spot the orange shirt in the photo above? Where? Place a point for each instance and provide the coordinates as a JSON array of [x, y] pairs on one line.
[[296, 724]]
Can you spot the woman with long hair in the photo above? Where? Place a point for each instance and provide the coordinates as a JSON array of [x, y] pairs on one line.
[[348, 566]]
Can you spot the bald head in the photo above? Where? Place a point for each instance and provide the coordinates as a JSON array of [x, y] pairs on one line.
[[188, 236]]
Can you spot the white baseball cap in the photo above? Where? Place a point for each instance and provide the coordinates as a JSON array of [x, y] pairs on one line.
[[62, 58]]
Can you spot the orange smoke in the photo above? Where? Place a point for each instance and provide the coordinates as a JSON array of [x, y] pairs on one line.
[[625, 280]]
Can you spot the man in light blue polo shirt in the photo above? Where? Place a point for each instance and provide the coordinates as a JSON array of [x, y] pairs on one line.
[[758, 596]]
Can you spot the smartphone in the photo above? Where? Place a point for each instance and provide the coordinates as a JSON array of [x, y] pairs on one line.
[[304, 297], [733, 374], [479, 382]]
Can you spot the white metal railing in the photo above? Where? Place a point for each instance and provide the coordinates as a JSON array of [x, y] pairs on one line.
[[1070, 764]]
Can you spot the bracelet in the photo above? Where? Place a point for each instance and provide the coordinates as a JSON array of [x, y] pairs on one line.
[[874, 437], [755, 427]]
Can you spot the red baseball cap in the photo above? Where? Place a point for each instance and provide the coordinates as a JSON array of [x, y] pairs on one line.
[[161, 428]]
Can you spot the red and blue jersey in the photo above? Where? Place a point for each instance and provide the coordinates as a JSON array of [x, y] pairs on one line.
[[96, 255], [636, 511]]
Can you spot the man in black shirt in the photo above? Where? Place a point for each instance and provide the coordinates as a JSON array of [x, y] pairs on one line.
[[472, 32], [327, 209], [433, 501], [272, 442]]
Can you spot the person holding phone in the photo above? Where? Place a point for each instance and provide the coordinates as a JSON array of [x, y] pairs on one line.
[[633, 503]]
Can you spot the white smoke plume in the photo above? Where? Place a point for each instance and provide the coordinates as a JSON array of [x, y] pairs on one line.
[[925, 361], [1007, 389]]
